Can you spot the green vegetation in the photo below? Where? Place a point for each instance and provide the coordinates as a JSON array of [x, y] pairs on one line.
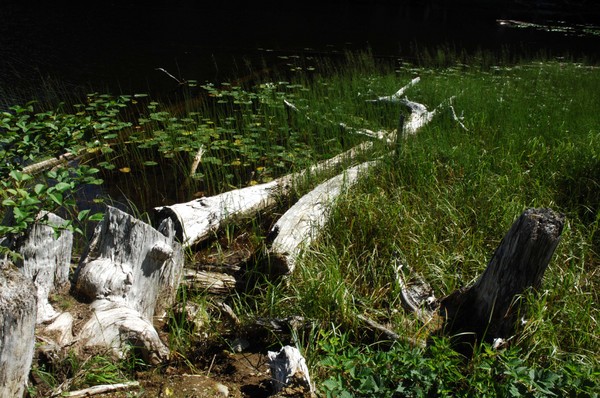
[[532, 139]]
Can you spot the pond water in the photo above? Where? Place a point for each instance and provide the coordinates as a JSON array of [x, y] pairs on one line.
[[59, 51], [61, 48]]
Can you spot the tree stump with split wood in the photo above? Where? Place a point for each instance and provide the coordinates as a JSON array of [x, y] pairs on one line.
[[130, 272]]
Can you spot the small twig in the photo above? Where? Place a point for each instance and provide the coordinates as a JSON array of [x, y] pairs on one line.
[[380, 135], [389, 334], [101, 389], [457, 118], [197, 160], [397, 96], [172, 77]]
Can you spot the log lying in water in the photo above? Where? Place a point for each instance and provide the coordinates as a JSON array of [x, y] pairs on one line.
[[198, 219], [17, 327], [489, 309], [131, 271]]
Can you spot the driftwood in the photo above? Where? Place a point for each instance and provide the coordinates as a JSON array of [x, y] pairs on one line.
[[210, 282], [289, 372], [18, 309], [131, 271], [46, 261], [302, 223], [199, 219], [102, 389], [489, 309]]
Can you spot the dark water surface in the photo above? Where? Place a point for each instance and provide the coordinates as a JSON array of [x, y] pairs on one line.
[[117, 46]]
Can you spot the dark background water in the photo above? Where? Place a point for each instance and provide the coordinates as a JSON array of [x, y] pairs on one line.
[[116, 46]]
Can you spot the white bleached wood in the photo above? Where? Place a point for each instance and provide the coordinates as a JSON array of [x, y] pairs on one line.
[[101, 389], [289, 370], [61, 329], [397, 96], [302, 223], [198, 219], [131, 271], [119, 327], [46, 261], [18, 309]]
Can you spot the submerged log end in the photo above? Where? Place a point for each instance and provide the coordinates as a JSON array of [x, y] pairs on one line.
[[488, 309]]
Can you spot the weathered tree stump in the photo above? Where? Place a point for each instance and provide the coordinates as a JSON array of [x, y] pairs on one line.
[[46, 261], [489, 309], [131, 271], [18, 308]]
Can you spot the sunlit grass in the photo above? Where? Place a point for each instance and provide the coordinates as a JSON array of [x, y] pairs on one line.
[[441, 208]]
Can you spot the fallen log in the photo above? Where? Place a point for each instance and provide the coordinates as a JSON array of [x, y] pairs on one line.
[[130, 271], [489, 309], [17, 326], [302, 223], [199, 219]]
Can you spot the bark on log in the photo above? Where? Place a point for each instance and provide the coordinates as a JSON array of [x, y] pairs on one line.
[[210, 282], [489, 309], [302, 223], [132, 271], [198, 219], [46, 261], [18, 309], [289, 371]]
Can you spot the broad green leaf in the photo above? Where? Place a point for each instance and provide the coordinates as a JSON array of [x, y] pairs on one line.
[[83, 214], [56, 197], [39, 188], [62, 186]]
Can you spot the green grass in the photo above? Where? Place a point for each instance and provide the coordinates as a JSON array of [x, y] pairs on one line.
[[442, 207], [533, 140]]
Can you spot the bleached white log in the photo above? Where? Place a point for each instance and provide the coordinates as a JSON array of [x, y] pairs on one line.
[[199, 219], [397, 96], [302, 223], [46, 260], [419, 116], [289, 370], [18, 309], [131, 271]]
